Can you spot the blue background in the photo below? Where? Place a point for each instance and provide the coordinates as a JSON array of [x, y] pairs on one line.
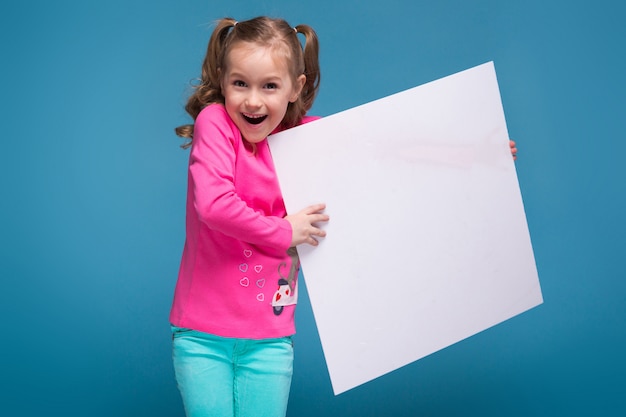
[[93, 188]]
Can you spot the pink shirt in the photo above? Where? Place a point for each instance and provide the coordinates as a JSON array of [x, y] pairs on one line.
[[236, 277]]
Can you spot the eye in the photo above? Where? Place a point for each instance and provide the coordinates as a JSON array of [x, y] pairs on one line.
[[239, 83], [271, 86]]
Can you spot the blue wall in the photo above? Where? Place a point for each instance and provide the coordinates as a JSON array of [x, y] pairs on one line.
[[93, 183]]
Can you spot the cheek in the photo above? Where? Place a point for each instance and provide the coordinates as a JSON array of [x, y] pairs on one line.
[[232, 102], [227, 94], [232, 110], [281, 108]]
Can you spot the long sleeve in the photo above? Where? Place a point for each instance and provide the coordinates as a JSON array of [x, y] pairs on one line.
[[227, 178], [235, 260]]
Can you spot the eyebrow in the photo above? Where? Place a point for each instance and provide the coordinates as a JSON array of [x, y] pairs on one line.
[[270, 78]]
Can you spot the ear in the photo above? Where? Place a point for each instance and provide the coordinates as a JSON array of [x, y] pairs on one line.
[[297, 88]]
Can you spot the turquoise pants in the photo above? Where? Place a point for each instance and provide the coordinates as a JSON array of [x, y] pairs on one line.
[[226, 377]]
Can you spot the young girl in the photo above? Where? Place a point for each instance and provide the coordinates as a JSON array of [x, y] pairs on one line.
[[233, 310]]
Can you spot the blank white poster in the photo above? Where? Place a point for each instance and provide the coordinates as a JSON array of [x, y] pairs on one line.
[[427, 241]]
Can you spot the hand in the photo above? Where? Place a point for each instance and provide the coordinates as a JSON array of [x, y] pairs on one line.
[[303, 225], [513, 149]]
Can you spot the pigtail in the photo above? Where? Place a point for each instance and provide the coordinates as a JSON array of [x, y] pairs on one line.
[[215, 53], [307, 63], [311, 66], [208, 90]]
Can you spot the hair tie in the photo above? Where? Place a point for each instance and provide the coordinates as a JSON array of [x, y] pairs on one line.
[[295, 29], [235, 24]]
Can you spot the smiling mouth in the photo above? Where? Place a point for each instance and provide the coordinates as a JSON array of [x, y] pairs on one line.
[[254, 120]]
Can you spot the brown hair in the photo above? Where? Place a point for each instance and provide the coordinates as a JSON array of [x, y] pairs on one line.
[[271, 32]]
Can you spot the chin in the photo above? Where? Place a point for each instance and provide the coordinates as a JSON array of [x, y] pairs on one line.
[[254, 140]]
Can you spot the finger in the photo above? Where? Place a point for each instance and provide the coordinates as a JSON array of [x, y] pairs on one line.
[[315, 208], [317, 218]]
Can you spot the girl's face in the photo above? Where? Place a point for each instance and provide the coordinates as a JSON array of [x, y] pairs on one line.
[[257, 88]]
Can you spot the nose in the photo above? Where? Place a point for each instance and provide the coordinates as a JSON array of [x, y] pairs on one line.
[[253, 99]]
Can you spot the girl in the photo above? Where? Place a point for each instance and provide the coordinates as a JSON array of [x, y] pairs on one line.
[[233, 310]]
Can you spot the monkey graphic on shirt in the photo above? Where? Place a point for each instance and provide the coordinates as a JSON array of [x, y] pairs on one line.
[[286, 293]]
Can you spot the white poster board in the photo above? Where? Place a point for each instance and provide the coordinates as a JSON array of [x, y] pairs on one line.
[[427, 241]]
